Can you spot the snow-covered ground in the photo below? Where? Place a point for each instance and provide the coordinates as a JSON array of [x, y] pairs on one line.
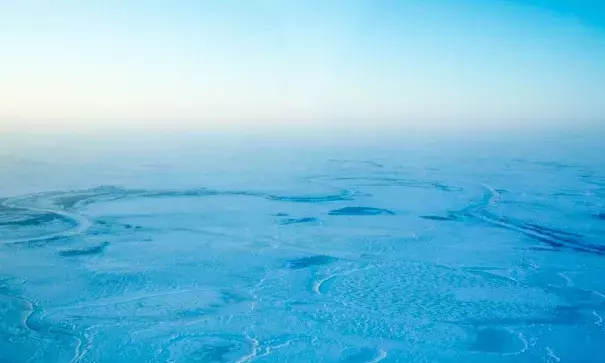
[[203, 249]]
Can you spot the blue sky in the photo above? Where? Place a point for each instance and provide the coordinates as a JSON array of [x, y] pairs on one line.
[[270, 62]]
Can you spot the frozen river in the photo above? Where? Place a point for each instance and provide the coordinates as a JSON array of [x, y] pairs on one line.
[[237, 249]]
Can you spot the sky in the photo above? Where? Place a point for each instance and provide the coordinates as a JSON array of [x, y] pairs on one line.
[[79, 64]]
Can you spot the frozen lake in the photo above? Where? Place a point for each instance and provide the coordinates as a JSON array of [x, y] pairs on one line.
[[213, 248]]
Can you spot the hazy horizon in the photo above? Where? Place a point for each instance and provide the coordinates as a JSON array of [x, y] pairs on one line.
[[190, 65]]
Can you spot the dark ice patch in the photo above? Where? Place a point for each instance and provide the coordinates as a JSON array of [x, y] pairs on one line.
[[549, 231], [297, 220], [439, 218], [311, 199], [305, 262], [599, 216], [442, 187], [130, 226], [213, 353], [206, 348], [576, 295], [566, 315], [360, 211], [554, 165], [85, 251], [490, 340], [232, 297], [361, 355], [29, 220], [555, 238]]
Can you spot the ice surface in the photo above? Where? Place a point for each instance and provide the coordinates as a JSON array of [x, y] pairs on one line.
[[195, 249]]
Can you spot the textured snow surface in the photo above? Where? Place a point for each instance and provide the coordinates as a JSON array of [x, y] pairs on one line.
[[176, 251]]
